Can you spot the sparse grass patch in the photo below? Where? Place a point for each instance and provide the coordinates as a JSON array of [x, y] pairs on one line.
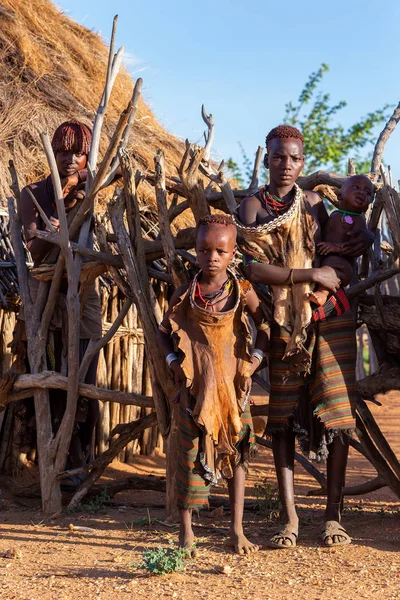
[[161, 561], [267, 498], [97, 504]]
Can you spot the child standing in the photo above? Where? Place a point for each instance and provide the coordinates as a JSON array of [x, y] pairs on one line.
[[206, 338]]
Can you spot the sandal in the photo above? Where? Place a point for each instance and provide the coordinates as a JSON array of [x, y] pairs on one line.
[[287, 533], [331, 529]]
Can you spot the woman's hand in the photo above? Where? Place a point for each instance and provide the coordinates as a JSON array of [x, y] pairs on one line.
[[77, 193], [69, 183], [359, 243], [255, 363], [325, 248], [55, 222], [175, 366], [327, 278]]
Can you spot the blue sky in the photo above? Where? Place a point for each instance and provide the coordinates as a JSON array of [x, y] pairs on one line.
[[245, 60]]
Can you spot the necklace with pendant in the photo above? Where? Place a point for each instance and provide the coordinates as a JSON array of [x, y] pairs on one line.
[[346, 216]]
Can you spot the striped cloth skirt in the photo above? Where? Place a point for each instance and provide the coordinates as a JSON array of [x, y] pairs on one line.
[[320, 404], [192, 484]]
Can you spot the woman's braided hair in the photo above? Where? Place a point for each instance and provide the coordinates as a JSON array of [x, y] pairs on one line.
[[72, 136]]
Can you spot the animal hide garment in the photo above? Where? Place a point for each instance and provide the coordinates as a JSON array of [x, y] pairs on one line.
[[287, 241]]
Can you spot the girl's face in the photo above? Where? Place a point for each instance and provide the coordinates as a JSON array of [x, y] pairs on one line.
[[285, 160], [69, 162], [215, 248]]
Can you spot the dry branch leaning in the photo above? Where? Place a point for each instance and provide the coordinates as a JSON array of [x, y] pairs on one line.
[[25, 384], [131, 273]]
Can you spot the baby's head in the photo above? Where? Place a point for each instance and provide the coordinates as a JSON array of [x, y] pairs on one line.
[[356, 194], [215, 243]]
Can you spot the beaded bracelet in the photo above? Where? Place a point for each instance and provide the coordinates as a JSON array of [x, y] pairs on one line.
[[170, 358], [258, 354], [263, 326]]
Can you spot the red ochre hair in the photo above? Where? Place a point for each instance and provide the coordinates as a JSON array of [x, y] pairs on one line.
[[216, 219], [284, 131], [72, 136]]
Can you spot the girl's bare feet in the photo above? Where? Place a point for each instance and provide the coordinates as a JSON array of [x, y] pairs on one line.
[[186, 535], [240, 544]]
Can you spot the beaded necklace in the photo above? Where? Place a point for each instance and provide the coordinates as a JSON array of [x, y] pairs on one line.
[[273, 204], [213, 298], [346, 218]]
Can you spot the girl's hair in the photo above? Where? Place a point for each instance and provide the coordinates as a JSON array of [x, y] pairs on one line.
[[72, 136], [216, 219], [284, 131]]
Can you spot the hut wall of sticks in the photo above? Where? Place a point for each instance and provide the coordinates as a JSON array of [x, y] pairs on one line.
[[141, 255]]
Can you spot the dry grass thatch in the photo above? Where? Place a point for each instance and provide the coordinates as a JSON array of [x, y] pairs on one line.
[[54, 69]]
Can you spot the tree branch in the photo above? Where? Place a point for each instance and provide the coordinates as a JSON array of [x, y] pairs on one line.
[[382, 139], [25, 384], [174, 263], [108, 456]]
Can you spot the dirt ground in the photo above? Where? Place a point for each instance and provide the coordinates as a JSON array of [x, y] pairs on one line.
[[50, 561]]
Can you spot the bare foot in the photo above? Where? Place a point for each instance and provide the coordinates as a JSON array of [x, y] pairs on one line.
[[240, 544], [319, 297], [186, 541]]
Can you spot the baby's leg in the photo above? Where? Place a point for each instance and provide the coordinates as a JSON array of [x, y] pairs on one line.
[[343, 270], [318, 296], [238, 542]]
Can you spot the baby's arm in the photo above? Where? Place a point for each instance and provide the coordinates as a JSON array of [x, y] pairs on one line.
[[257, 314], [334, 234]]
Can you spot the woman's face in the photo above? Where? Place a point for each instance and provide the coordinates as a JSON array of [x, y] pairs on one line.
[[68, 162], [285, 160]]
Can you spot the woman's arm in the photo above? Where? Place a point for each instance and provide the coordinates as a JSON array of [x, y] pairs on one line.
[[31, 220], [271, 275], [248, 211]]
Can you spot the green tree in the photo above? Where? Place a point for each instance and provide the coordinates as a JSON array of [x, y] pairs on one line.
[[327, 144]]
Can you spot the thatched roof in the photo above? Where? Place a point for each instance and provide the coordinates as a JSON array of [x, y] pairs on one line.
[[54, 69], [9, 292]]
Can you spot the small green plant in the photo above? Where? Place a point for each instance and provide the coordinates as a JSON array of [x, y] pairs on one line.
[[142, 522], [160, 561], [97, 504], [268, 498]]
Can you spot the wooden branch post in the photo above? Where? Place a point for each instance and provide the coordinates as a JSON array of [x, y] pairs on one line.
[[130, 272], [179, 277]]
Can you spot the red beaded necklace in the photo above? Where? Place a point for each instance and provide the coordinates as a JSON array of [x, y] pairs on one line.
[[273, 203], [216, 297]]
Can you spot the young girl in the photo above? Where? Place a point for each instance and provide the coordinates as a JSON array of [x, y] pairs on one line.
[[206, 338]]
